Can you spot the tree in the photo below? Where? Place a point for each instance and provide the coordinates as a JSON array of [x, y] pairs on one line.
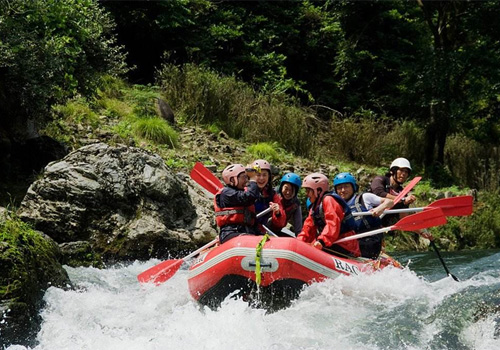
[[461, 74], [51, 50]]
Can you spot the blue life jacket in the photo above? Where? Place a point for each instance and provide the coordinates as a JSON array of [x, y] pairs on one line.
[[363, 223], [347, 224]]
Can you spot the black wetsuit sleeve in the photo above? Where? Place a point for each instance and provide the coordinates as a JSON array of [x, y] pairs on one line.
[[231, 197], [379, 186]]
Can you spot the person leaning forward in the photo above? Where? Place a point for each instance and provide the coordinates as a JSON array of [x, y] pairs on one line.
[[329, 219], [345, 186], [391, 184], [234, 203]]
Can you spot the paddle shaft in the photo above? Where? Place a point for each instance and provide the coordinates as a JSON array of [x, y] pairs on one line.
[[407, 189], [453, 206], [198, 251], [433, 245], [366, 234], [427, 218], [390, 211], [404, 192]]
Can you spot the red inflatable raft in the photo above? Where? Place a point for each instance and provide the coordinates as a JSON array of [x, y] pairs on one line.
[[286, 266]]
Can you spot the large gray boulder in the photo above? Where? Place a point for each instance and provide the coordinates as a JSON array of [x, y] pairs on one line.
[[117, 203]]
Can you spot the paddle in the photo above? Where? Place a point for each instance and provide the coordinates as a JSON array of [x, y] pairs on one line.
[[404, 192], [205, 178], [166, 269], [163, 271], [407, 189], [427, 218], [433, 245], [453, 206]]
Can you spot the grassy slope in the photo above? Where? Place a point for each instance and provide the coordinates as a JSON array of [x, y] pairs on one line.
[[128, 115]]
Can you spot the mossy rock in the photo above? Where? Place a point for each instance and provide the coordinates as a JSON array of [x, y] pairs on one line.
[[80, 254], [30, 265]]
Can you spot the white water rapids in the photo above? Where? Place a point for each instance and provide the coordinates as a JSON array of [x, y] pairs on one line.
[[393, 309]]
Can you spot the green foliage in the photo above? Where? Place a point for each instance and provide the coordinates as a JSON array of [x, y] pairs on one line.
[[265, 150], [481, 230], [20, 243], [123, 129], [145, 99], [115, 107], [206, 97], [213, 128], [156, 130], [76, 114], [176, 163], [373, 141], [474, 164], [52, 50], [111, 87]]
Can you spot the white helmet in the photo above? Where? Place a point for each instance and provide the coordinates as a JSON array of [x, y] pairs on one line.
[[400, 163]]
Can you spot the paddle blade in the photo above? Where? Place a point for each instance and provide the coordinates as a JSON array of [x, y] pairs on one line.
[[161, 272], [419, 221], [207, 173], [205, 178], [407, 189], [454, 206]]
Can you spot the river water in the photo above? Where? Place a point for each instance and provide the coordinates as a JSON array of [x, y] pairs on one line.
[[415, 308]]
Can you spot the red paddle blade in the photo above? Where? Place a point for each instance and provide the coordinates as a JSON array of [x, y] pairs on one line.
[[407, 189], [161, 272], [207, 173], [205, 178], [424, 219], [454, 206]]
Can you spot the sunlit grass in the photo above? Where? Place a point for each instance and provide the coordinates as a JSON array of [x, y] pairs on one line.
[[265, 150], [156, 130]]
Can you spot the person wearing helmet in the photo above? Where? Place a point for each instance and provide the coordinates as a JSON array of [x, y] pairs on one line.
[[345, 186], [329, 218], [389, 185], [268, 198], [234, 203], [288, 190]]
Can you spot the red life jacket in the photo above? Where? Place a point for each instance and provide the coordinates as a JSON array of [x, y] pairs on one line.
[[234, 215]]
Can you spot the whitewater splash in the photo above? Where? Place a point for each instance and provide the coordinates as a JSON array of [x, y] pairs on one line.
[[392, 309]]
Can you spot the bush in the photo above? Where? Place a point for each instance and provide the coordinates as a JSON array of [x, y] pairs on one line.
[[473, 164], [54, 50], [144, 99], [203, 96], [156, 130], [265, 150], [68, 117]]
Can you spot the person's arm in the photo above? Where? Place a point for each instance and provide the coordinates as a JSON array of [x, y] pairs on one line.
[[308, 230], [278, 219], [245, 197], [333, 217], [378, 187], [376, 204]]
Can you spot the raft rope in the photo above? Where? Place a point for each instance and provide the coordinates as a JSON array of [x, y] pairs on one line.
[[258, 255]]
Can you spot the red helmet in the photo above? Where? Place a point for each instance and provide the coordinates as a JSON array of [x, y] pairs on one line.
[[231, 171], [316, 181], [262, 164]]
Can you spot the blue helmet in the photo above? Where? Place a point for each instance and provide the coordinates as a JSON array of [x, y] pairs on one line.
[[343, 178], [292, 178]]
